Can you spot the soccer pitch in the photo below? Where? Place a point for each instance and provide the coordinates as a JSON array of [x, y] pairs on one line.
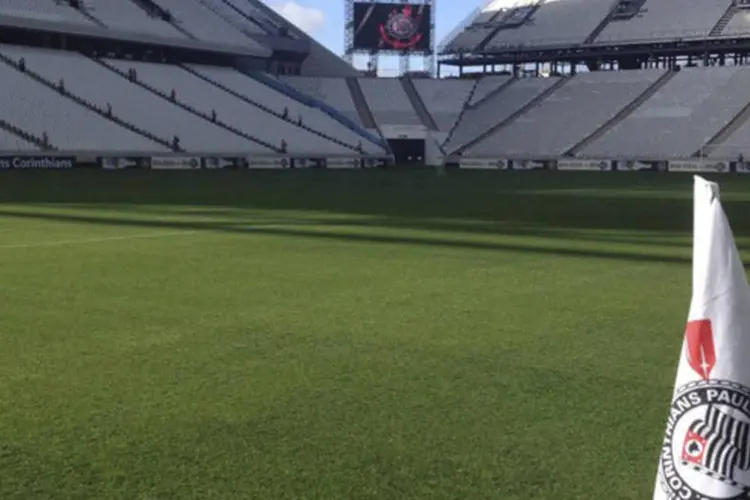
[[341, 335]]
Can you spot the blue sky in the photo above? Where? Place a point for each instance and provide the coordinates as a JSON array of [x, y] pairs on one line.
[[324, 19]]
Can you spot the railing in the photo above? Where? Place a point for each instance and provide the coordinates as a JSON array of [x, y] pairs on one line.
[[313, 103]]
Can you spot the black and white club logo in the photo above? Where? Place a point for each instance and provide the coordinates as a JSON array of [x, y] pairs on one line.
[[706, 450]]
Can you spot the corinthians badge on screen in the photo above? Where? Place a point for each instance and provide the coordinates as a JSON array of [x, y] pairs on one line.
[[401, 30], [706, 449]]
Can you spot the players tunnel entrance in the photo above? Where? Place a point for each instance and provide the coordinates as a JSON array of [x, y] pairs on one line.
[[408, 151]]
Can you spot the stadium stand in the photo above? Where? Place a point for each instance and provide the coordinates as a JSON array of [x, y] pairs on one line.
[[571, 113], [331, 90], [737, 22], [203, 23], [263, 96], [43, 10], [444, 99], [499, 107], [680, 118], [104, 88], [42, 111], [11, 142], [230, 15], [665, 19], [550, 23], [486, 86], [474, 29], [232, 77], [388, 101], [240, 114], [128, 16]]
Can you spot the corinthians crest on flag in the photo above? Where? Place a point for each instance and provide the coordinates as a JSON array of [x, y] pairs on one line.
[[705, 454]]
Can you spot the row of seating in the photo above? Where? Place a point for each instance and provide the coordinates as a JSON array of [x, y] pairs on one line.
[[195, 18], [78, 103], [657, 113], [203, 107], [573, 22]]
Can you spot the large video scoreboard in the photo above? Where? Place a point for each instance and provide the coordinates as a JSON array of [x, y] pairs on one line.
[[392, 26]]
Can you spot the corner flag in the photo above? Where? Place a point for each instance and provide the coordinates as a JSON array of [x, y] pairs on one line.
[[706, 450]]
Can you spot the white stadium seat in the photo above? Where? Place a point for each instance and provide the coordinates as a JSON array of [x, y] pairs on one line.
[[10, 143], [556, 22], [444, 99], [333, 91], [130, 102], [39, 109], [388, 101], [568, 115], [486, 86], [739, 24], [201, 22], [278, 102], [667, 19], [679, 118], [127, 16], [44, 10], [205, 96], [494, 110]]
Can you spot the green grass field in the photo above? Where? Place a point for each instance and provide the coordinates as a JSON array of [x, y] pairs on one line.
[[341, 335]]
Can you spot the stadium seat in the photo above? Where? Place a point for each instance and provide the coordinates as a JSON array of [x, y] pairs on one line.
[[567, 22], [38, 109], [207, 97], [203, 23], [739, 23], [258, 92], [130, 102], [487, 85], [127, 16], [44, 10], [388, 101], [681, 117], [10, 143], [444, 99], [494, 110], [568, 115], [667, 19], [332, 91]]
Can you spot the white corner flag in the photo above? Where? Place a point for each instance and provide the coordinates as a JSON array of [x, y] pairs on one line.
[[706, 450]]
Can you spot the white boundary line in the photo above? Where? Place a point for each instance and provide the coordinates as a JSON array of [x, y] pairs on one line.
[[96, 240]]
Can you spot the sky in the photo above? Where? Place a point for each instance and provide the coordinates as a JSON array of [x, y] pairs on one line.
[[324, 20]]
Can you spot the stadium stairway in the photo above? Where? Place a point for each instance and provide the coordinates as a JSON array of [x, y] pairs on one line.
[[27, 136], [363, 109], [725, 133], [153, 8], [622, 114], [418, 104], [82, 7], [295, 94], [85, 103], [191, 109], [510, 119], [722, 23], [230, 17], [534, 6], [492, 94], [602, 24], [460, 115]]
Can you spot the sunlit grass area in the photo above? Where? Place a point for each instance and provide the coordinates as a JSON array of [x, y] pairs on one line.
[[341, 335]]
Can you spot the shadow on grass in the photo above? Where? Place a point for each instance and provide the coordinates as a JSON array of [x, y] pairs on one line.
[[575, 207], [273, 228], [597, 201]]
